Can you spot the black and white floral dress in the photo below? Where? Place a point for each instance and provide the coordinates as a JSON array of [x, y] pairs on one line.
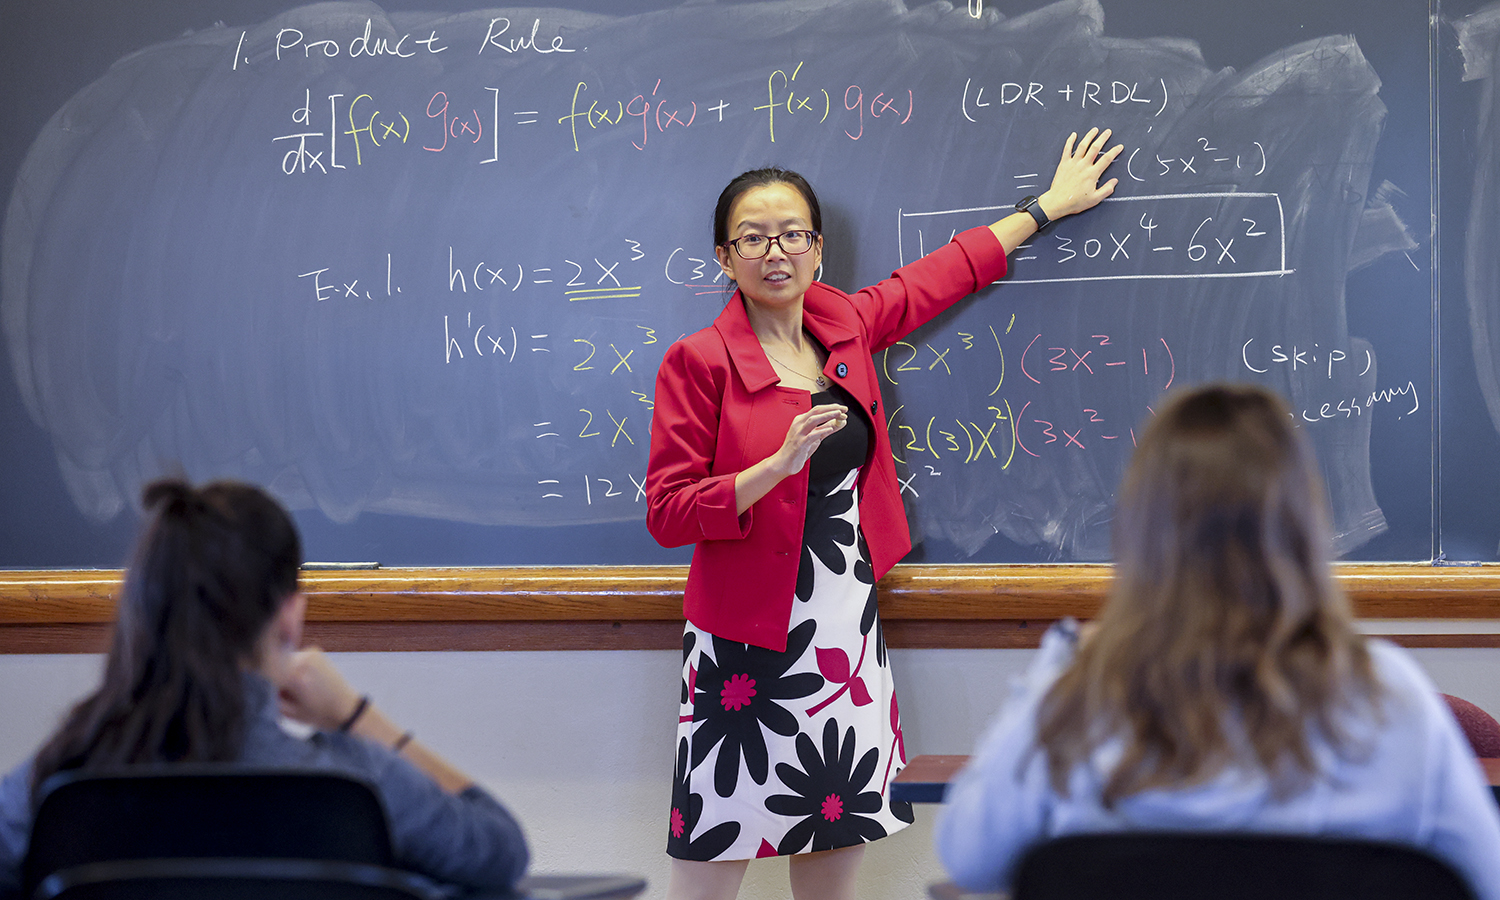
[[790, 752]]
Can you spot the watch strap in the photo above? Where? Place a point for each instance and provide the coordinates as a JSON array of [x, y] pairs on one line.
[[1032, 204]]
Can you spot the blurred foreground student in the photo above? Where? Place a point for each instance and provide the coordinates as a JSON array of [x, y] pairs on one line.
[[210, 618], [1224, 687]]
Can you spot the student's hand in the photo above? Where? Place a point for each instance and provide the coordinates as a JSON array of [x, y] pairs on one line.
[[1075, 185], [314, 693]]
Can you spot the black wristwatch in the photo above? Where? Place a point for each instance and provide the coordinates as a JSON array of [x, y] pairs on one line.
[[1030, 204]]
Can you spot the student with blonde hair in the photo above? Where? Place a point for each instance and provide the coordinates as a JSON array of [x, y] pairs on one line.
[[1223, 686]]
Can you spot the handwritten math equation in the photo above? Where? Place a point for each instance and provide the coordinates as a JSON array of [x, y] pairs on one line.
[[618, 274], [340, 131], [1045, 395], [1001, 429], [1011, 421], [1020, 420], [574, 322], [1017, 423], [1151, 236]]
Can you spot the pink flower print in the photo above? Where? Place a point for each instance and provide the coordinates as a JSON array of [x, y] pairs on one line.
[[737, 692], [898, 743], [687, 810], [692, 685], [833, 808], [833, 663]]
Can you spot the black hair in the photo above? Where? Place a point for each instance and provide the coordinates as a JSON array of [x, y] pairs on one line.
[[759, 178]]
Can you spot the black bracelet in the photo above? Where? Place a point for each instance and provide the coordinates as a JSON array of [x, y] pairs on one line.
[[359, 710], [401, 742]]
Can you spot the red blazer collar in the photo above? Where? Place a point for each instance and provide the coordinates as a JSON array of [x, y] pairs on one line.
[[821, 306]]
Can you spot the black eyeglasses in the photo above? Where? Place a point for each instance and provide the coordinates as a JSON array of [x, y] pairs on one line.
[[756, 246]]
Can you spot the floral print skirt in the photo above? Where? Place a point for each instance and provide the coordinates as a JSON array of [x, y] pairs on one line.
[[790, 752]]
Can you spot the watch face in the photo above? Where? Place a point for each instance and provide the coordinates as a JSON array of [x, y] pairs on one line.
[[1032, 204]]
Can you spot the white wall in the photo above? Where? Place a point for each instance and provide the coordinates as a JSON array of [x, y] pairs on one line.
[[579, 744]]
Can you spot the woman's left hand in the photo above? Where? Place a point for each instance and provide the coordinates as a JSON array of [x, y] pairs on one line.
[[1075, 185]]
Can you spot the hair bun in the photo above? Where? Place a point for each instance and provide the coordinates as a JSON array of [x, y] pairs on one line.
[[167, 493]]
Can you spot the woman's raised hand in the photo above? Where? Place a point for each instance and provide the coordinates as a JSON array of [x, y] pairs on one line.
[[1075, 185], [804, 435], [807, 431]]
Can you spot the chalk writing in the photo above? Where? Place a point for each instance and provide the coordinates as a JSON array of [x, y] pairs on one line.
[[463, 241], [1153, 236], [289, 40], [650, 111], [326, 286], [495, 38], [1266, 354], [1355, 406], [978, 101]]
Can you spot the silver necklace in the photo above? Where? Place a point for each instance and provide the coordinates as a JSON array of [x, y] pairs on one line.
[[820, 381]]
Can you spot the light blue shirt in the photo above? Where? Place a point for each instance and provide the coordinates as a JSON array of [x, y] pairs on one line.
[[465, 839], [1415, 782]]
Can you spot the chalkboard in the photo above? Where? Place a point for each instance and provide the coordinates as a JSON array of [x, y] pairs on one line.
[[413, 266]]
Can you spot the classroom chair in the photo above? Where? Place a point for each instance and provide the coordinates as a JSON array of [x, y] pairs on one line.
[[1223, 866], [211, 824], [234, 832], [204, 812], [299, 879], [232, 879], [1479, 726]]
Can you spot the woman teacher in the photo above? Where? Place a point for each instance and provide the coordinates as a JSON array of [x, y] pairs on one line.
[[769, 451]]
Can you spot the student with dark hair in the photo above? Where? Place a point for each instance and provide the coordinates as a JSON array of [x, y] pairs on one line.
[[1223, 685], [205, 657], [769, 452]]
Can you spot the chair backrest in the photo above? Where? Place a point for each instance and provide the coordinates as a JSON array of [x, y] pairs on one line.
[[1479, 726], [1185, 866], [232, 879], [204, 811], [579, 887]]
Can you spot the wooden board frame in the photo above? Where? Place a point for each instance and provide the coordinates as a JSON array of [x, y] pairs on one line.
[[640, 607]]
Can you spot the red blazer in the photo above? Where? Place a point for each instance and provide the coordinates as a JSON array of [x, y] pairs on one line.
[[720, 408]]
